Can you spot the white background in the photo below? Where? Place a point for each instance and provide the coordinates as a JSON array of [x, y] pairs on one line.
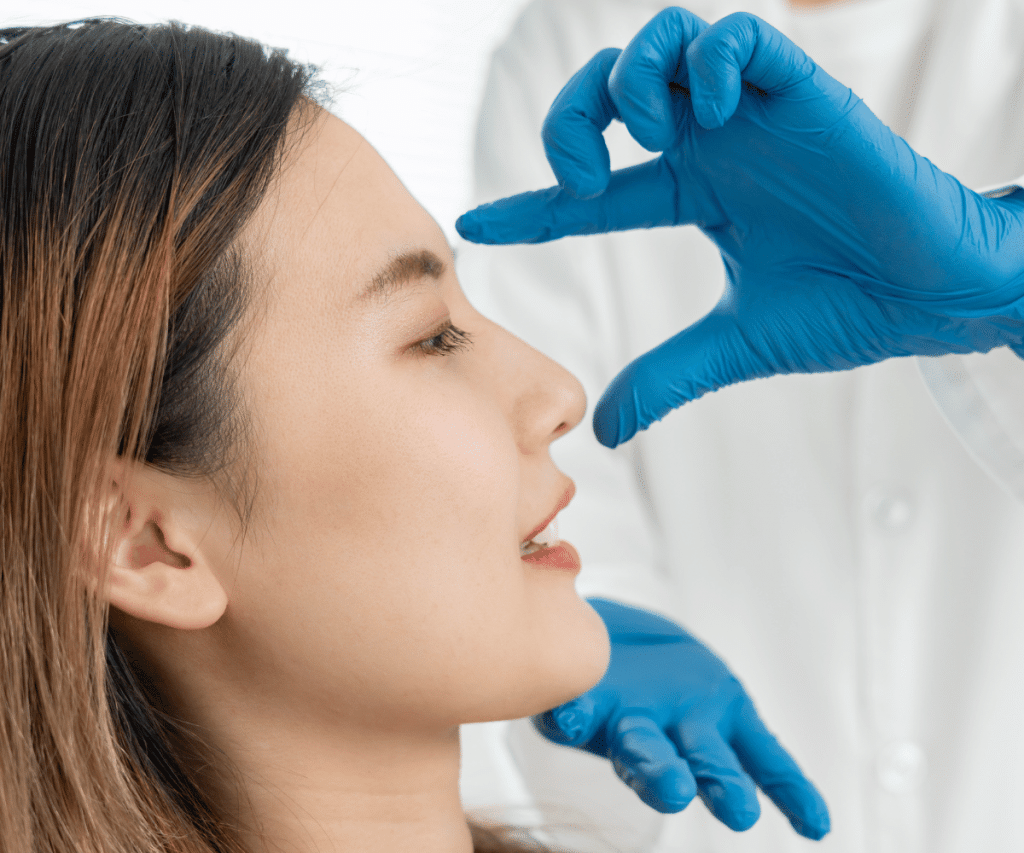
[[409, 73]]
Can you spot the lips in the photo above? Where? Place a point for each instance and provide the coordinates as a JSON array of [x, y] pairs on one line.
[[562, 556], [562, 504]]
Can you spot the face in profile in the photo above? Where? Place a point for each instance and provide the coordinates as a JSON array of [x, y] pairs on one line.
[[402, 455]]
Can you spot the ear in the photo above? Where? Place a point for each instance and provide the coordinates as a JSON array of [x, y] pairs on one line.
[[166, 536]]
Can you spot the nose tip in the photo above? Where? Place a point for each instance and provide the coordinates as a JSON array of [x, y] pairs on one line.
[[574, 403]]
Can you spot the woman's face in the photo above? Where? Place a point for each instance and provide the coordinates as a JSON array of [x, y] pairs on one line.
[[383, 580]]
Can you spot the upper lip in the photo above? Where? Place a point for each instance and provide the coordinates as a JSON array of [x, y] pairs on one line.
[[562, 504]]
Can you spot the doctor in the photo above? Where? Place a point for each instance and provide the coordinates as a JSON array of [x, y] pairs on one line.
[[829, 537]]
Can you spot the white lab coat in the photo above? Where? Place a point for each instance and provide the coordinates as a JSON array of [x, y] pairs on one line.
[[828, 535]]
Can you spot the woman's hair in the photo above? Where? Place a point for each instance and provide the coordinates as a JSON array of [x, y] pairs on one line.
[[130, 159]]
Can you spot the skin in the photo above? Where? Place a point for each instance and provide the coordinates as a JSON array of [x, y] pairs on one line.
[[332, 650]]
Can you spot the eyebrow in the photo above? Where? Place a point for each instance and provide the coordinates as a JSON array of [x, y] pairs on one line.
[[401, 271]]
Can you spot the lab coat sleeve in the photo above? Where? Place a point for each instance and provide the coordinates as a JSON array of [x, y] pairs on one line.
[[981, 395], [561, 298]]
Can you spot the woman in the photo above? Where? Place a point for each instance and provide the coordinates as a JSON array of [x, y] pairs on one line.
[[265, 470]]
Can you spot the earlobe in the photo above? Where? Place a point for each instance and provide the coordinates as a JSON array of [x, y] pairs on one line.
[[162, 564]]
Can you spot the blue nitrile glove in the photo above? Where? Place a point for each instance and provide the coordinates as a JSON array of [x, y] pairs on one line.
[[675, 722], [842, 245]]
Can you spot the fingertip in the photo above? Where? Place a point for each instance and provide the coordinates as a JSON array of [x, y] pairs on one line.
[[574, 721], [815, 826], [614, 421], [722, 803], [545, 724], [569, 724], [530, 217], [714, 82], [609, 428], [673, 792], [811, 819], [803, 806], [813, 832], [645, 103], [584, 184], [582, 166], [468, 227], [744, 820], [708, 113]]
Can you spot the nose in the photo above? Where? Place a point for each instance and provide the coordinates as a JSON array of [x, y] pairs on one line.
[[546, 400]]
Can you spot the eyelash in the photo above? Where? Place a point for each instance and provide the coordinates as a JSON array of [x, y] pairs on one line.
[[452, 339]]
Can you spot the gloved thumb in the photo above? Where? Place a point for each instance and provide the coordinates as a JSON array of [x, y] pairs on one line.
[[708, 355]]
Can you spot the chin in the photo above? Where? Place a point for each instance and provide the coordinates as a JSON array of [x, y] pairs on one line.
[[584, 661], [564, 656], [570, 663]]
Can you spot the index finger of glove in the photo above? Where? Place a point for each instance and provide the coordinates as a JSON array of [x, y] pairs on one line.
[[641, 196], [777, 774], [639, 81], [573, 130]]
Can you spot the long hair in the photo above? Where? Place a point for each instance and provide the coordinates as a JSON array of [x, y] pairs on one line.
[[130, 159]]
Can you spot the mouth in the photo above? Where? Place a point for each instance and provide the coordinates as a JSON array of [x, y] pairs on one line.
[[546, 538], [545, 535], [544, 547], [560, 556]]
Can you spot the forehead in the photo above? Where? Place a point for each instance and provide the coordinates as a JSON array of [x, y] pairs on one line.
[[337, 213]]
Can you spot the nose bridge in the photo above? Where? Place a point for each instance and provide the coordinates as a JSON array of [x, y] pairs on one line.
[[545, 399]]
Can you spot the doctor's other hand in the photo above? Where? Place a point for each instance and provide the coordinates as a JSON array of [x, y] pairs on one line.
[[842, 245], [675, 722]]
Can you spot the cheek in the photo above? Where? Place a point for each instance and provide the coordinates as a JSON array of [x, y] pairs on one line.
[[439, 468], [388, 581], [439, 490], [390, 550]]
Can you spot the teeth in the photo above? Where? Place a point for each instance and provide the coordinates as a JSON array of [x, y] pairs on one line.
[[549, 535], [545, 539]]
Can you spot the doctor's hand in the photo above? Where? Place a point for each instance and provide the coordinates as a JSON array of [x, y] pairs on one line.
[[675, 722], [842, 245]]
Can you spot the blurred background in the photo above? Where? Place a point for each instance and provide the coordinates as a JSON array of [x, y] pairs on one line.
[[408, 74]]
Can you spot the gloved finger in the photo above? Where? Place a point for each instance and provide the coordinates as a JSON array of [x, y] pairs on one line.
[[704, 357], [573, 129], [645, 759], [641, 196], [722, 785], [778, 775], [742, 47], [573, 723], [639, 81]]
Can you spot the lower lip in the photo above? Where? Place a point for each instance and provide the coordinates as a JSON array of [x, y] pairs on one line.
[[562, 556]]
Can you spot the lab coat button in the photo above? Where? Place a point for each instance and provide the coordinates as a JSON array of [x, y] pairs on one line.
[[900, 766], [890, 509]]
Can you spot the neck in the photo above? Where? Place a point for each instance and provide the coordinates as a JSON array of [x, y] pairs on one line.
[[376, 793]]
